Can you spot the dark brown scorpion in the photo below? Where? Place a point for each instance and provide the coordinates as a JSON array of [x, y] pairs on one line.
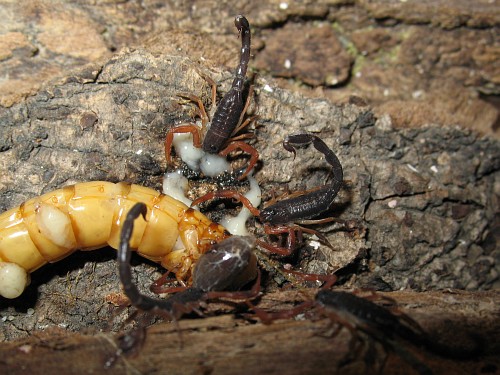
[[359, 314], [379, 322], [218, 273], [278, 218], [228, 117], [229, 265]]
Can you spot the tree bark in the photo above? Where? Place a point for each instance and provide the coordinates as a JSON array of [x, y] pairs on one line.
[[424, 198], [229, 345]]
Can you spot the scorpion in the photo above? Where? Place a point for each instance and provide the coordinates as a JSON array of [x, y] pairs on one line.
[[379, 323], [277, 217], [228, 117], [219, 273], [228, 265], [89, 216]]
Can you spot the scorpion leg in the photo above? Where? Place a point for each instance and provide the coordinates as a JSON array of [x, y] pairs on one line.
[[158, 288], [213, 98], [238, 295], [290, 243], [187, 128], [243, 124], [202, 113], [267, 317], [239, 145], [227, 194], [329, 280], [293, 231]]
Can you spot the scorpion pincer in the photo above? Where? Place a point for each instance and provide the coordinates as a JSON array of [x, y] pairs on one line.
[[228, 117], [89, 216], [279, 217], [228, 265]]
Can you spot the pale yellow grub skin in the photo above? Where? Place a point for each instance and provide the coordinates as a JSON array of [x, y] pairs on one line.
[[13, 280], [89, 216]]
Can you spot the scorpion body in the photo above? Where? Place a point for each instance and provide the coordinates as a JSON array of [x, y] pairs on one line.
[[228, 116], [279, 217], [313, 203], [356, 313], [230, 108], [361, 315], [89, 216], [381, 323], [228, 265]]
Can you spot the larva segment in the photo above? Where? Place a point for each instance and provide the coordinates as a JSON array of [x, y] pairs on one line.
[[13, 280], [89, 215]]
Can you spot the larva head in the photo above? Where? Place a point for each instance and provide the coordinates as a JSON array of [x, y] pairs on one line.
[[13, 280]]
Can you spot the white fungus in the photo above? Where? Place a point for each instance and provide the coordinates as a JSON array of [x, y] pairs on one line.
[[214, 165], [183, 144], [196, 158], [175, 185], [237, 225]]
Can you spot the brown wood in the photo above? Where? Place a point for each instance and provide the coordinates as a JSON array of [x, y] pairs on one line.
[[228, 345]]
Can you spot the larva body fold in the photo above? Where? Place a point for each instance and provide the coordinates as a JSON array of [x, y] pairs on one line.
[[89, 215]]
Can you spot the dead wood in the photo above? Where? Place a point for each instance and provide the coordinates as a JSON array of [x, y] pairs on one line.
[[229, 345]]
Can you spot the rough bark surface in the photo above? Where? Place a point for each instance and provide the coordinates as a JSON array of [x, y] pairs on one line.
[[425, 196], [228, 345], [401, 57]]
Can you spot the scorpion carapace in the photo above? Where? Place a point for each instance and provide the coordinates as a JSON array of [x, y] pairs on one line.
[[88, 216], [229, 265], [278, 218], [228, 117]]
